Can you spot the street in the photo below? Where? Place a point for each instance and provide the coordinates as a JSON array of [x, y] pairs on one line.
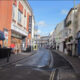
[[39, 40], [28, 68], [36, 67], [40, 59]]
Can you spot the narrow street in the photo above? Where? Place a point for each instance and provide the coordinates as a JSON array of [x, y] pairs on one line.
[[40, 59], [36, 67], [28, 68], [39, 40]]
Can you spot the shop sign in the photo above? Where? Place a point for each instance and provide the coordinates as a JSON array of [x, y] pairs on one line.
[[6, 34], [16, 35], [19, 30], [30, 24], [6, 37]]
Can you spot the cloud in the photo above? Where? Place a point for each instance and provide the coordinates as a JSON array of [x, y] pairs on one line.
[[41, 23], [64, 12], [44, 24], [39, 31], [42, 33]]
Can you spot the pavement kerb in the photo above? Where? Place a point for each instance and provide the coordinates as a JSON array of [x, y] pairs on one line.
[[51, 60], [64, 56], [15, 60]]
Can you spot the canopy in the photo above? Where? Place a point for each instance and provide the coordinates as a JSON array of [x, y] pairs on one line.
[[2, 37]]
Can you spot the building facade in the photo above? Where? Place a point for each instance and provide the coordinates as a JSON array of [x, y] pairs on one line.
[[16, 23], [44, 41], [59, 36], [51, 39]]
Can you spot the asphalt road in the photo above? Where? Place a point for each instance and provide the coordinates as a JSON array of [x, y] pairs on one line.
[[33, 67], [24, 69], [40, 59]]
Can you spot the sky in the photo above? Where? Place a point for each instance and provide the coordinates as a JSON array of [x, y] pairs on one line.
[[48, 13]]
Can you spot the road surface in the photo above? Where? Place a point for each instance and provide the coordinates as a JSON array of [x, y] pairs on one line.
[[41, 59]]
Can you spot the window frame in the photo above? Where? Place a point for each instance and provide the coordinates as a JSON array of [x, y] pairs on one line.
[[19, 17], [13, 13]]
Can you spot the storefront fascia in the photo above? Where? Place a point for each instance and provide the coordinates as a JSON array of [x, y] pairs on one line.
[[20, 35], [19, 30]]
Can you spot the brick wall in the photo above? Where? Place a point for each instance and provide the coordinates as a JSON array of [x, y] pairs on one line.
[[6, 17]]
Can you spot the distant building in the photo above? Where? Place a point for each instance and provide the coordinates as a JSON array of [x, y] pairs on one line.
[[51, 39], [59, 36], [44, 41]]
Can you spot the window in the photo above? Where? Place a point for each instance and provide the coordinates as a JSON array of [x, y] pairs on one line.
[[24, 21], [13, 14], [19, 16]]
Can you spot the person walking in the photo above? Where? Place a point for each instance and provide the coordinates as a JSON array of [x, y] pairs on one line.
[[12, 46]]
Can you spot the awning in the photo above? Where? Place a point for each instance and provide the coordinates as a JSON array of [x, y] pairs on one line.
[[2, 37], [68, 43]]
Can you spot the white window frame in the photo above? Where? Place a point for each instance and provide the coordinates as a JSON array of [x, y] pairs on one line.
[[13, 14], [25, 21], [19, 17]]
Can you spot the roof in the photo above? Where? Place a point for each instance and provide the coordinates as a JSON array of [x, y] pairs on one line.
[[69, 13]]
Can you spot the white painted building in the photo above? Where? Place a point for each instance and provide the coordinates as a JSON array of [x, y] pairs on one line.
[[33, 31], [59, 36]]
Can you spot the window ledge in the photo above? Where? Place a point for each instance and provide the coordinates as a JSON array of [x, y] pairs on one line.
[[19, 24], [14, 20]]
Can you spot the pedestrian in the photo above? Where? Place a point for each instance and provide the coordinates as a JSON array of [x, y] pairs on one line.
[[69, 51], [12, 46]]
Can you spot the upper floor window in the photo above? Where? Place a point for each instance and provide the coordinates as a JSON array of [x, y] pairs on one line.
[[13, 14], [19, 16], [24, 21]]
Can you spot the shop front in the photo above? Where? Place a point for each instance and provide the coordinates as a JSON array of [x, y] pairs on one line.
[[78, 45], [69, 45], [5, 43], [23, 47], [2, 38], [16, 39]]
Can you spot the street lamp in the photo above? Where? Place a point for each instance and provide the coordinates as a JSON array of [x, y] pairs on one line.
[[74, 31]]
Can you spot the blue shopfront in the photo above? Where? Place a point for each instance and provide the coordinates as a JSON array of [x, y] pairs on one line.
[[2, 37], [78, 38]]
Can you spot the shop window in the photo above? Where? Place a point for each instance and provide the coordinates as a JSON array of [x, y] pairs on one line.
[[24, 21], [19, 16], [6, 38]]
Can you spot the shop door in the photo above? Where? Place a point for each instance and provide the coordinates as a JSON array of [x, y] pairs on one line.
[[79, 47]]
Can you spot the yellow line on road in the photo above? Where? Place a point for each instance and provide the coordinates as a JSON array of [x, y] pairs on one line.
[[52, 75]]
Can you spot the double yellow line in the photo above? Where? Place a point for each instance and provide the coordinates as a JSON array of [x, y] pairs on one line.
[[52, 75]]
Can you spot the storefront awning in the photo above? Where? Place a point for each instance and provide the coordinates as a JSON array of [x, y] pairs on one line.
[[68, 43], [2, 37]]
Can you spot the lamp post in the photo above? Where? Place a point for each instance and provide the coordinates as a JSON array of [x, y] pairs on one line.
[[74, 31]]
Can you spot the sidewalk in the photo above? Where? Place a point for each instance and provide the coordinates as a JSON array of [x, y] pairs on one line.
[[15, 57], [74, 61]]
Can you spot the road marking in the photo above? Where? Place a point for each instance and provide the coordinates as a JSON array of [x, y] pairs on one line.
[[52, 75], [18, 64]]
